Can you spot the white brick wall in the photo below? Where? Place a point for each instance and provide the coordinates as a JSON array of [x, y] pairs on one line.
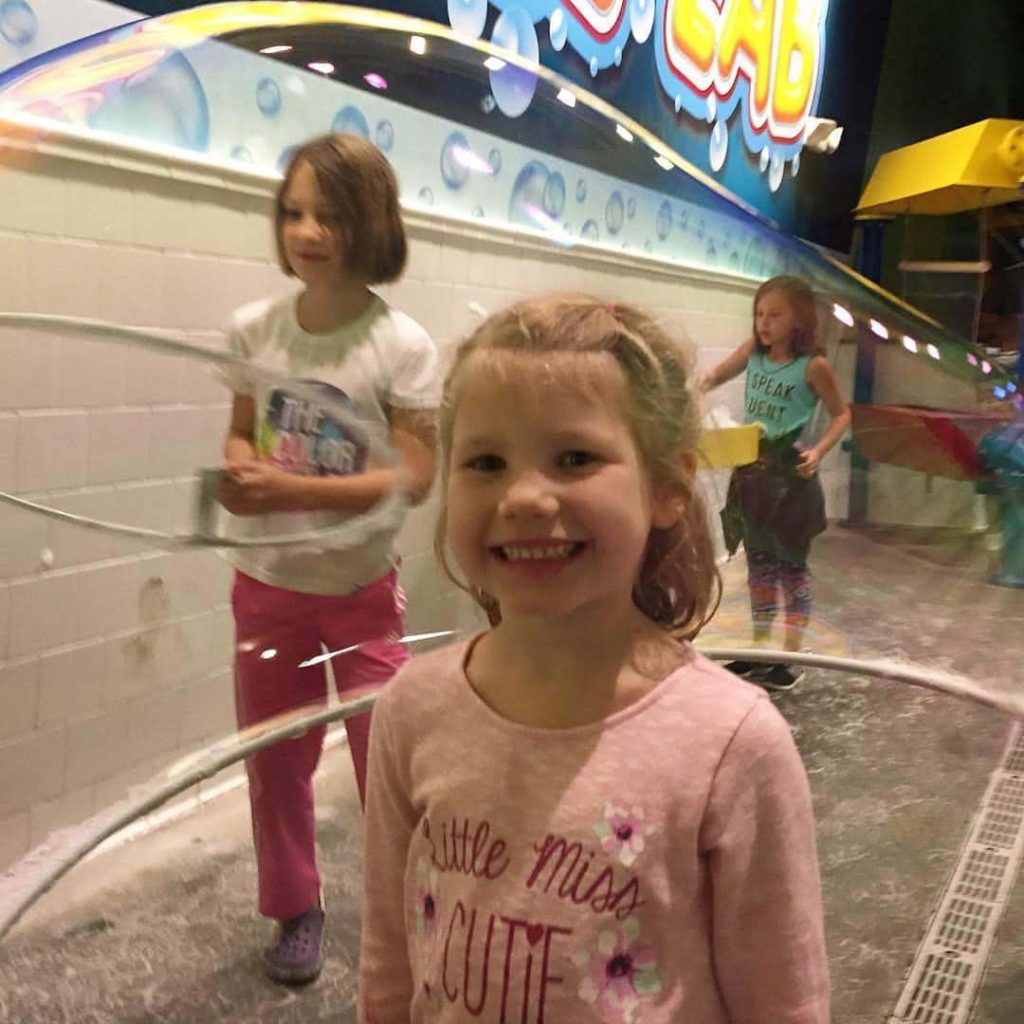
[[115, 658]]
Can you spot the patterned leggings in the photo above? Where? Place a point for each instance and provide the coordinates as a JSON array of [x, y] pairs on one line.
[[767, 573]]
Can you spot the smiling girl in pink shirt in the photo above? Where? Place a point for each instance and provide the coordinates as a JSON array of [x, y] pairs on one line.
[[574, 817]]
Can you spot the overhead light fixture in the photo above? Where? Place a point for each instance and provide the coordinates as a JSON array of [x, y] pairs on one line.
[[567, 96], [268, 50], [322, 66], [933, 351], [418, 45], [880, 329], [623, 133], [494, 63], [972, 359], [663, 162], [375, 81], [909, 343], [999, 392], [822, 135], [842, 314], [986, 366]]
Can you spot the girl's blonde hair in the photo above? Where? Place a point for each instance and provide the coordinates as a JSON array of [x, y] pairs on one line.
[[805, 309], [360, 192], [678, 586]]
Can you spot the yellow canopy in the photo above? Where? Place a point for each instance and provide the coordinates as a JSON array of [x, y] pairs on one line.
[[950, 173]]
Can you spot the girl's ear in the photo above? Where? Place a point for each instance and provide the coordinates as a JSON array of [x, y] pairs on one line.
[[668, 507]]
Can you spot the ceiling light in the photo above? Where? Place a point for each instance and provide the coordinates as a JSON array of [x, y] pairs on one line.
[[842, 314]]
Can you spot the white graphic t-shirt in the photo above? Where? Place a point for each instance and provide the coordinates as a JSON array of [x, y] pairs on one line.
[[380, 361]]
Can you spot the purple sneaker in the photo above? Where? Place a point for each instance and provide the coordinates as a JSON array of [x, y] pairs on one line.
[[297, 958]]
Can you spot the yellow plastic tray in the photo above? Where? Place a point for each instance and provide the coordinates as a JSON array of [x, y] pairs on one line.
[[729, 446]]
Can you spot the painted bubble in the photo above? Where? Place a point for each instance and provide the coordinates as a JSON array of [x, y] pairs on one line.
[[618, 56], [795, 165], [712, 111], [554, 195], [589, 231], [242, 155], [631, 209], [581, 191], [268, 96], [718, 146], [350, 120], [165, 104], [558, 28], [384, 136], [614, 213], [454, 171], [467, 17], [663, 223], [494, 159], [513, 86], [527, 203], [593, 67], [426, 196], [762, 160], [641, 19], [711, 253], [18, 22], [478, 211], [776, 170]]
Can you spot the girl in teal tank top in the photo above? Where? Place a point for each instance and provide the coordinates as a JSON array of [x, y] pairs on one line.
[[776, 505]]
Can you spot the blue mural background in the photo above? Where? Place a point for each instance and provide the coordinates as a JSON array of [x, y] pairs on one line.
[[806, 194]]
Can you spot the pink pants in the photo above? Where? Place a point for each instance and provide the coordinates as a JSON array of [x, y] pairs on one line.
[[294, 626]]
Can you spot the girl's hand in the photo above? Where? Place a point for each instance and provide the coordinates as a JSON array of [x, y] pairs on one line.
[[809, 461], [253, 488]]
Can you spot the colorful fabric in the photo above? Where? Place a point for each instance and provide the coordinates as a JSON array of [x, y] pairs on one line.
[[657, 866], [777, 395], [769, 507], [382, 360], [294, 627]]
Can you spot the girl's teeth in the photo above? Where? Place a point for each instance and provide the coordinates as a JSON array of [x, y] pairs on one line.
[[555, 551]]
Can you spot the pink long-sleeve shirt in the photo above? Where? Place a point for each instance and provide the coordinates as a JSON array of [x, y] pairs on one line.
[[656, 867]]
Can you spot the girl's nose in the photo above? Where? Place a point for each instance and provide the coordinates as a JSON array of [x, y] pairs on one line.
[[529, 495]]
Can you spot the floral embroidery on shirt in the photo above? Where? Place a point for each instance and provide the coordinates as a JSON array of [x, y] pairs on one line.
[[427, 908], [618, 973], [622, 832]]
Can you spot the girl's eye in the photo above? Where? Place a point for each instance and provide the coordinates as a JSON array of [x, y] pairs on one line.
[[576, 459], [292, 215], [486, 463]]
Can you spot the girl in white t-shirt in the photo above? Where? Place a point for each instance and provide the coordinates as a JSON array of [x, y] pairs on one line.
[[338, 229]]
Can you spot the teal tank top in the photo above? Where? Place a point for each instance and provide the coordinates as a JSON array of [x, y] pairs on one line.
[[778, 396]]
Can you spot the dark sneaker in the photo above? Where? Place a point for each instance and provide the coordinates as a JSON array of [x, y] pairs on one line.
[[297, 958], [745, 669], [779, 677]]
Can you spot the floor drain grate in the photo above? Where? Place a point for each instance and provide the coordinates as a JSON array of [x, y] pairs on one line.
[[945, 977]]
